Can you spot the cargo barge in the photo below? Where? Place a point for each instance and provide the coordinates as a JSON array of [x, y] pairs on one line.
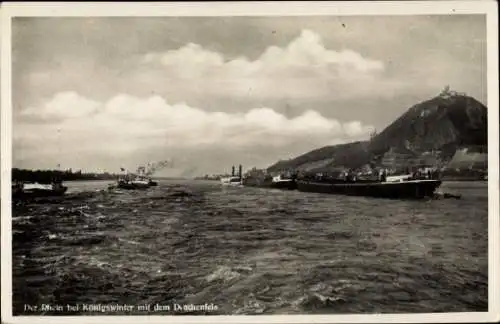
[[402, 189]]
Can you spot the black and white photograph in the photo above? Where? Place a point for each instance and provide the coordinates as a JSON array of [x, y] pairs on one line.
[[294, 165]]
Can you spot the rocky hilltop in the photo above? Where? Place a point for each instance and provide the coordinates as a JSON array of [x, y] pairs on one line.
[[430, 132]]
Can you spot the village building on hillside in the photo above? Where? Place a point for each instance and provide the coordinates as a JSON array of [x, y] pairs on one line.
[[466, 158], [428, 160], [398, 158], [254, 172]]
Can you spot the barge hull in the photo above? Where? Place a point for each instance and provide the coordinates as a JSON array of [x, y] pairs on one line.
[[132, 186], [417, 189], [38, 193], [284, 185]]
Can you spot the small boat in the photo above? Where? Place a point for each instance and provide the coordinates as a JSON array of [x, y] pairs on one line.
[[395, 187], [35, 190]]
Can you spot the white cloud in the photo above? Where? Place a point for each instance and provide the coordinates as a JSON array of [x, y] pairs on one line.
[[307, 50], [303, 68], [189, 55], [64, 105], [126, 124]]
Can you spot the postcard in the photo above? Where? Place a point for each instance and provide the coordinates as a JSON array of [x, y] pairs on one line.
[[248, 162]]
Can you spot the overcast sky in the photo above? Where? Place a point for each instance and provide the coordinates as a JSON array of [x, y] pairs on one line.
[[101, 93]]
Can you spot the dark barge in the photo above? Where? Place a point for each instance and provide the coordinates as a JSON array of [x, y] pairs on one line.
[[405, 189]]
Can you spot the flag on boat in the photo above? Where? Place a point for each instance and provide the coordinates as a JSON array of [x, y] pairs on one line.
[[122, 169]]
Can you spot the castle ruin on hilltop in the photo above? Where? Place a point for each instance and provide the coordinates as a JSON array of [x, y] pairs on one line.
[[446, 93]]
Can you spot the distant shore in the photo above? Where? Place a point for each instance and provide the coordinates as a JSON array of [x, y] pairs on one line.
[[47, 176]]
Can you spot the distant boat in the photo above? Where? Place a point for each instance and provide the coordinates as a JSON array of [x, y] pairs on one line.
[[35, 190], [396, 188], [231, 181]]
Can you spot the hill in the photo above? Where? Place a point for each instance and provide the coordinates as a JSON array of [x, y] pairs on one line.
[[436, 124], [350, 153], [435, 128]]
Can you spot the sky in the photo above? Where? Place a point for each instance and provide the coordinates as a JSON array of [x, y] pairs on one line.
[[207, 93]]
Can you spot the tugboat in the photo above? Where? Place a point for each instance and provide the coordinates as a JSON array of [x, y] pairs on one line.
[[135, 181], [399, 187]]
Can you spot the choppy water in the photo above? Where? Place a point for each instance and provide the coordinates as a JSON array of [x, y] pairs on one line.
[[251, 251]]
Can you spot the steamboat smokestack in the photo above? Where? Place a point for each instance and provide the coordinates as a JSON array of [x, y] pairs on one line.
[[232, 172], [240, 173]]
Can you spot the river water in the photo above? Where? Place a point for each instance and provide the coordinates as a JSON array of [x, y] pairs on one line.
[[249, 251]]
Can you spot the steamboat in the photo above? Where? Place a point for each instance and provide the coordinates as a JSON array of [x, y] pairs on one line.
[[139, 180]]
